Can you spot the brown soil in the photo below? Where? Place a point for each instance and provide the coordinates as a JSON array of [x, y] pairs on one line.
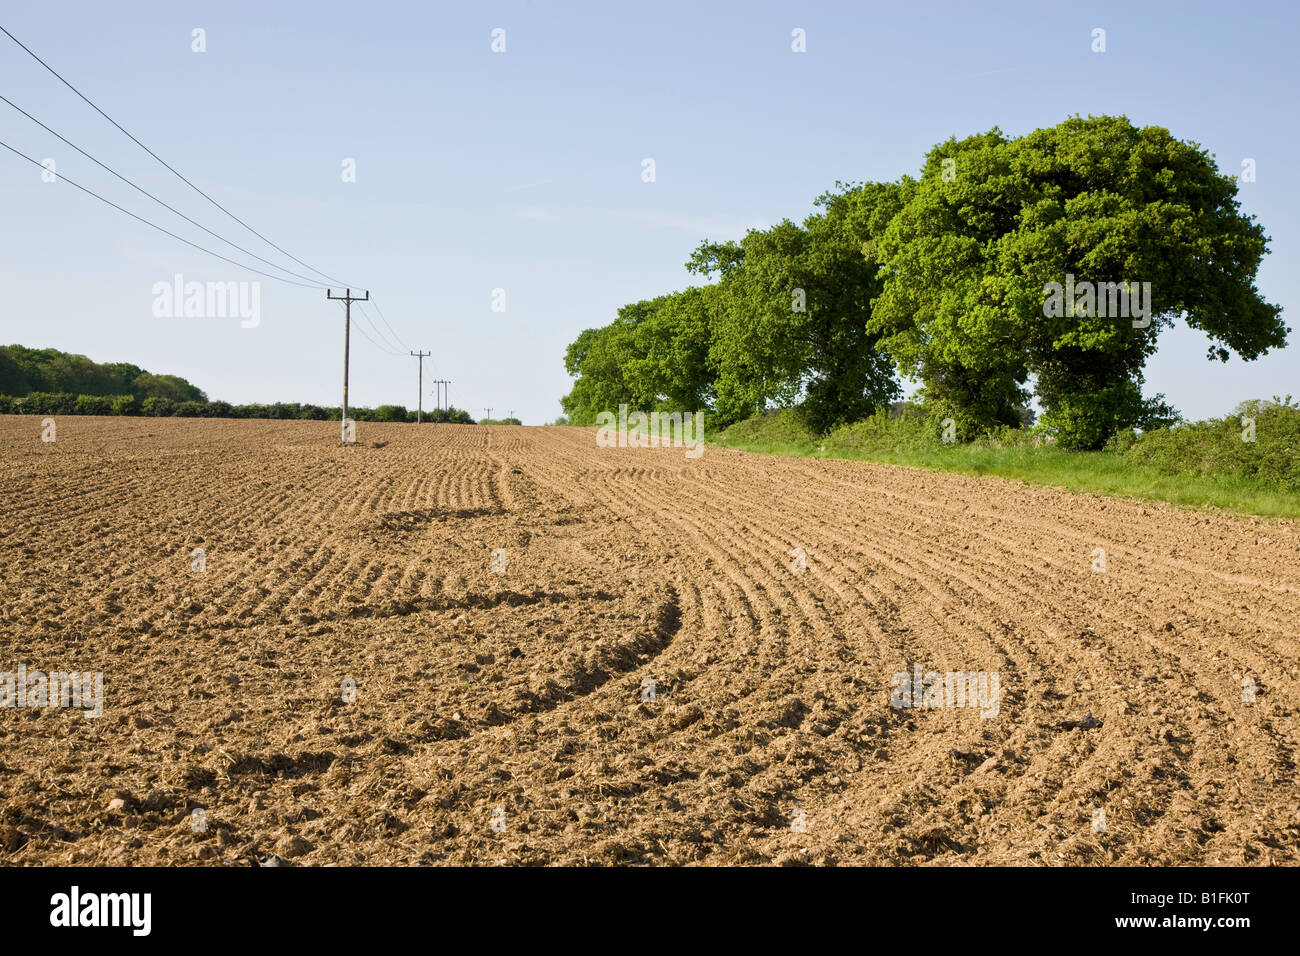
[[498, 717]]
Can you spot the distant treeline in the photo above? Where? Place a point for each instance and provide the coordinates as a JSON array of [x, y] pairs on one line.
[[50, 382], [64, 403], [24, 371]]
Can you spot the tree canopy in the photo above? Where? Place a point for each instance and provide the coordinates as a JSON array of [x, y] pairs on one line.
[[24, 371], [1091, 204], [1049, 261]]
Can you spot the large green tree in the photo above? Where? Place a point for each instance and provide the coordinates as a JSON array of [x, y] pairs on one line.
[[653, 356], [671, 342], [595, 360], [793, 303], [993, 222]]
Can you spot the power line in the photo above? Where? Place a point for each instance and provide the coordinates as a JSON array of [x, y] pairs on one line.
[[387, 342], [383, 343], [160, 202], [379, 345], [177, 174], [390, 328], [164, 163], [382, 346], [153, 225]]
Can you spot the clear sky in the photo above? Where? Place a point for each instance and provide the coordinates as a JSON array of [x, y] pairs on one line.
[[522, 170]]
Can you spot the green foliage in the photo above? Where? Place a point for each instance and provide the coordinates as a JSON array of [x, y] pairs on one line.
[[171, 387], [782, 429], [596, 359], [790, 321], [92, 405], [785, 322], [968, 258], [46, 403], [1220, 446], [435, 416], [63, 403], [24, 371], [959, 277], [908, 427], [1083, 420], [884, 431], [671, 364], [155, 407], [1203, 465], [653, 356], [453, 415]]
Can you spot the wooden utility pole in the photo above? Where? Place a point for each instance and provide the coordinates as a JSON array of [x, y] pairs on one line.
[[489, 412], [419, 412], [442, 393], [347, 298]]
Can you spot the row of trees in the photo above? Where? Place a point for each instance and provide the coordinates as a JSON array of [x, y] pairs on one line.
[[944, 278], [63, 403], [50, 382], [24, 371]]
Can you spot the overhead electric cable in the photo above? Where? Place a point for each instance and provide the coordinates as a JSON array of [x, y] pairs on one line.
[[153, 225], [382, 348], [378, 331], [157, 200], [165, 163], [382, 343], [390, 328], [182, 178]]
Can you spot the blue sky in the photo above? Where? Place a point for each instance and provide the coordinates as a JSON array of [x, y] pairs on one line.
[[521, 170]]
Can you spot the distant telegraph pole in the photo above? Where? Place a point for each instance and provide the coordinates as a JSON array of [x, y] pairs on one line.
[[442, 393], [489, 412], [347, 298], [419, 412]]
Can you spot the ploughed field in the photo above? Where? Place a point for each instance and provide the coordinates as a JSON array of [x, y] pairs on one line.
[[570, 654]]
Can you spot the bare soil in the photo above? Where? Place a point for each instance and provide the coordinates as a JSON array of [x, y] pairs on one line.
[[499, 714]]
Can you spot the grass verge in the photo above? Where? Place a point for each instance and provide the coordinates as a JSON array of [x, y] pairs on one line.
[[1187, 481]]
